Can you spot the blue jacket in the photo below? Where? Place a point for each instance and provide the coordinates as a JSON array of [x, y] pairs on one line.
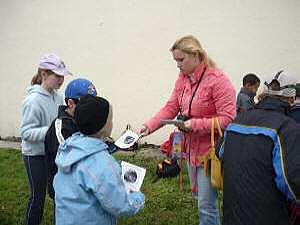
[[245, 101], [38, 110], [88, 185]]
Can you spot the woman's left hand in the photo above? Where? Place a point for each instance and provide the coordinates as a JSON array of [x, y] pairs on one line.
[[186, 126]]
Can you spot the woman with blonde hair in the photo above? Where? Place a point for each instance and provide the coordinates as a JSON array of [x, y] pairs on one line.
[[201, 93]]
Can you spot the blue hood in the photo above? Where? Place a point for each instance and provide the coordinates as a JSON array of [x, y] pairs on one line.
[[88, 185], [82, 147]]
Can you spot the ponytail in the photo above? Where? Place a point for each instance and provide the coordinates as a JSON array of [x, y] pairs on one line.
[[37, 79]]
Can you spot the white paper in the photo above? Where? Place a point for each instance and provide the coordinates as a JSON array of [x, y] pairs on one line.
[[132, 176], [173, 122], [127, 140]]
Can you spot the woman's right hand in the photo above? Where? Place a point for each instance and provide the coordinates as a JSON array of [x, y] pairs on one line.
[[144, 131]]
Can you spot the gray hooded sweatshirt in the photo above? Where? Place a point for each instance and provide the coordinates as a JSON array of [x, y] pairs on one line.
[[39, 109]]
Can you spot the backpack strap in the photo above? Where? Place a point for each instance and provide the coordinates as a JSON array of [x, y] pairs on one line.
[[58, 126], [214, 125]]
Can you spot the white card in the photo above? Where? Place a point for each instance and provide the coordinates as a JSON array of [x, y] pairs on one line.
[[132, 176], [127, 140]]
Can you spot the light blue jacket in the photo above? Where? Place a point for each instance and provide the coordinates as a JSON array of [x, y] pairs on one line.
[[38, 110], [88, 185]]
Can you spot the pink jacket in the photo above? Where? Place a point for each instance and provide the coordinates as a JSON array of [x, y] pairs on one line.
[[215, 97]]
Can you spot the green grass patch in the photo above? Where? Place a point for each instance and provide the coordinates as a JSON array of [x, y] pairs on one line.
[[165, 204]]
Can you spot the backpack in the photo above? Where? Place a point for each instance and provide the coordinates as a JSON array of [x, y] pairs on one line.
[[168, 168]]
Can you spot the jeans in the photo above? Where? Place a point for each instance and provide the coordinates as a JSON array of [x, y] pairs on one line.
[[206, 195], [37, 177]]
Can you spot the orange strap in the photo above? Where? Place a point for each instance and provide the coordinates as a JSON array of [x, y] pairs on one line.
[[214, 125]]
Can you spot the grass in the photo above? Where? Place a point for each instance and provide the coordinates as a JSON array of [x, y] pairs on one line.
[[165, 204]]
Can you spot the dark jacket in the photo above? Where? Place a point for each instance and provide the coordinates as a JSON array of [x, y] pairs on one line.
[[295, 208], [68, 127], [261, 159], [295, 112]]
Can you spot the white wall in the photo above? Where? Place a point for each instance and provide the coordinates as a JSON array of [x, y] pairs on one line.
[[122, 45]]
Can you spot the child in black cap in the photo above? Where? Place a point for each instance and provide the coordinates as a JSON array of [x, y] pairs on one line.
[[88, 184]]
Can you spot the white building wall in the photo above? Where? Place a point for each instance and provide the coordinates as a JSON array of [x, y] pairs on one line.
[[122, 46]]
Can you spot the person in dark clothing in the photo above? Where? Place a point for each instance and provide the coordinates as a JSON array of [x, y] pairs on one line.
[[282, 80], [295, 114], [64, 125], [295, 110], [245, 98], [260, 153]]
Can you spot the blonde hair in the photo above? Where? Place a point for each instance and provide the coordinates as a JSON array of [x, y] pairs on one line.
[[38, 78], [190, 45]]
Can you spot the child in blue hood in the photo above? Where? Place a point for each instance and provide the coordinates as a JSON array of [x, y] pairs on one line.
[[88, 185], [64, 125]]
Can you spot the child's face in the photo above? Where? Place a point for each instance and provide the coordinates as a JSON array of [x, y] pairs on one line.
[[71, 107], [252, 88]]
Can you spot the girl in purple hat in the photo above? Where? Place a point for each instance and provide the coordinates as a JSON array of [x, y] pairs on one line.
[[39, 108]]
